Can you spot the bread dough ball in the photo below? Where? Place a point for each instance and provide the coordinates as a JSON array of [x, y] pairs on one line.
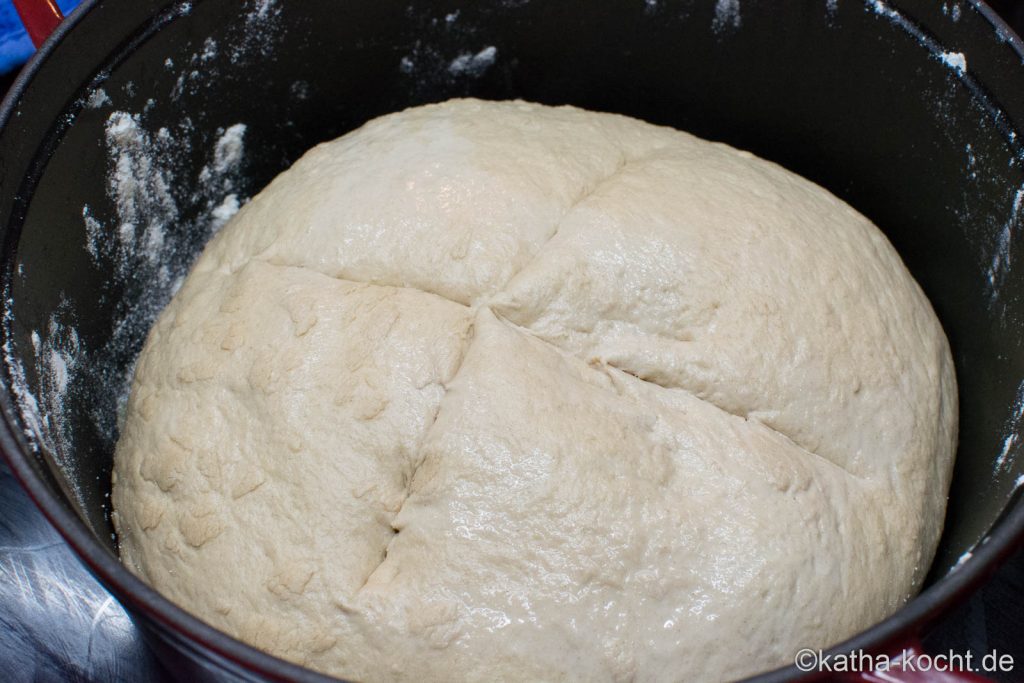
[[498, 391]]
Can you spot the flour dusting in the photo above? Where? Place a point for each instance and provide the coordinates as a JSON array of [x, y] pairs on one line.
[[954, 60], [98, 98], [1011, 429], [227, 152], [727, 15], [209, 50], [28, 406], [143, 246], [141, 187], [224, 211], [1000, 265], [299, 90], [447, 51], [473, 64], [262, 33], [256, 38], [143, 236], [882, 9], [94, 234], [972, 161], [55, 358], [1009, 442]]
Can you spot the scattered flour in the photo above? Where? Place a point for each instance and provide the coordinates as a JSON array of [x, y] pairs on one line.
[[1009, 442], [58, 372], [97, 99], [260, 35], [164, 212], [225, 210], [727, 15], [94, 235], [141, 188], [209, 50], [54, 360], [431, 62], [227, 152], [972, 160], [956, 63], [882, 9], [264, 8], [473, 64], [146, 184], [256, 37], [159, 213], [137, 248], [832, 7], [1011, 429], [954, 60], [300, 90], [28, 406], [1000, 265]]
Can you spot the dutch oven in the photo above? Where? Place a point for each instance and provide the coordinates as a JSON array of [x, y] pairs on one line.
[[910, 110]]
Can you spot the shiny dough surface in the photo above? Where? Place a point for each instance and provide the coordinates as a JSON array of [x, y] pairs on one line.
[[499, 391]]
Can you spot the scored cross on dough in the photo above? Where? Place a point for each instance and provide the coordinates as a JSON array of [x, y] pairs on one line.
[[496, 390], [588, 525]]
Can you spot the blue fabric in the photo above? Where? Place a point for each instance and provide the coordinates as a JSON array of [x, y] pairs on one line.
[[15, 46]]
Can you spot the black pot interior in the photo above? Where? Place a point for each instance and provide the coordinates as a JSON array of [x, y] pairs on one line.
[[867, 99]]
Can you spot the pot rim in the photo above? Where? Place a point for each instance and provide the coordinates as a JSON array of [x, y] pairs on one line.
[[889, 635]]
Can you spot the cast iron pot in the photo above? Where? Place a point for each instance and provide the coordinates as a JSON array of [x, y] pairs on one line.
[[910, 110]]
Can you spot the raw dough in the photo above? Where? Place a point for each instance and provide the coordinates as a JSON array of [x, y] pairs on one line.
[[493, 391]]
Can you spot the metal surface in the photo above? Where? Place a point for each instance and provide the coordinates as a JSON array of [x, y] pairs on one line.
[[56, 621]]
